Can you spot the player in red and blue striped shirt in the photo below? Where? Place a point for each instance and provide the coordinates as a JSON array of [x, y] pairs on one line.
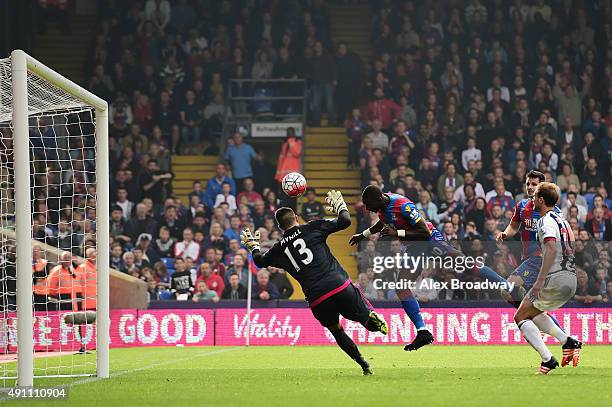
[[524, 221], [399, 217]]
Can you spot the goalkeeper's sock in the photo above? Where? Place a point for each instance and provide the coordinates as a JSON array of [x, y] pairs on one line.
[[532, 334], [488, 273], [548, 326], [413, 310], [348, 346]]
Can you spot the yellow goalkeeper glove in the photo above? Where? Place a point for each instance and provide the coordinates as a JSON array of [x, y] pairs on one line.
[[250, 241], [335, 201]]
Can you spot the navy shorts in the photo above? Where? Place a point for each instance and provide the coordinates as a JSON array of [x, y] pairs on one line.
[[528, 271], [350, 303]]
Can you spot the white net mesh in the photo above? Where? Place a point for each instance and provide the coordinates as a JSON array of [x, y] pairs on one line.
[[63, 201]]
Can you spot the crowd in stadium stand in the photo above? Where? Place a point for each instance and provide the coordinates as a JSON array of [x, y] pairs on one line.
[[464, 100], [165, 67], [460, 101]]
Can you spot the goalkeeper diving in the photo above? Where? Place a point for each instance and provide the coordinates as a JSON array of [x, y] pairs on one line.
[[303, 252]]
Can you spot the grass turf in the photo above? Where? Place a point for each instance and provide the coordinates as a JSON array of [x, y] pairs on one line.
[[320, 376]]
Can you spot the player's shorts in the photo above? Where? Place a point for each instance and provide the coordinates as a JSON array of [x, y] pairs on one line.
[[559, 287], [350, 303], [528, 271], [443, 248]]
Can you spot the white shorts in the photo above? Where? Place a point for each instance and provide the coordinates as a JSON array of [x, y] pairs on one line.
[[558, 289]]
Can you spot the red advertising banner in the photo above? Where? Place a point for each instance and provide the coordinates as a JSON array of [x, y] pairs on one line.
[[295, 326]]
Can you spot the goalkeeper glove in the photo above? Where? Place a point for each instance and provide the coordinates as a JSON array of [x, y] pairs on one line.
[[250, 241], [336, 202]]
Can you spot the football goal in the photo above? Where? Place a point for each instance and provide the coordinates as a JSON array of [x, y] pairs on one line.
[[54, 238]]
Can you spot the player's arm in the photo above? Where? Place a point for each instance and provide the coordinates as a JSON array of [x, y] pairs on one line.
[[251, 242], [372, 230], [336, 205], [512, 228], [418, 231]]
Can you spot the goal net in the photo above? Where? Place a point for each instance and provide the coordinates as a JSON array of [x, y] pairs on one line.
[[53, 225]]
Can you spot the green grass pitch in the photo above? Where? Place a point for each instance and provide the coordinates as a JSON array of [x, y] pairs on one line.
[[322, 375]]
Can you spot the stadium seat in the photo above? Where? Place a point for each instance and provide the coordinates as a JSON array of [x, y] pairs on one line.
[[168, 262], [166, 295]]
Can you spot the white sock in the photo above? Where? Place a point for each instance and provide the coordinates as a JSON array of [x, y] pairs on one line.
[[548, 326], [532, 335]]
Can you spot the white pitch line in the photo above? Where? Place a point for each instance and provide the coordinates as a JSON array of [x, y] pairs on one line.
[[151, 366]]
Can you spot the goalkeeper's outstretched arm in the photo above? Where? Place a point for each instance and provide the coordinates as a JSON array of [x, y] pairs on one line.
[[337, 205], [251, 242]]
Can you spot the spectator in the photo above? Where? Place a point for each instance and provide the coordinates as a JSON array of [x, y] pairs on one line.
[[216, 238], [586, 291], [290, 157], [226, 197], [234, 290], [233, 232], [191, 120], [383, 109], [187, 247], [471, 153], [449, 179], [279, 278], [164, 245], [155, 183], [204, 294], [249, 194], [240, 155], [216, 267], [311, 209], [427, 207], [158, 12], [214, 185], [212, 280], [322, 71], [124, 203], [120, 115], [264, 289], [349, 66], [366, 287], [181, 284], [129, 266], [599, 227], [239, 268], [141, 223], [379, 139], [263, 68]]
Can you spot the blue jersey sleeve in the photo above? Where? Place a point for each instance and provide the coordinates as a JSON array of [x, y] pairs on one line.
[[410, 212]]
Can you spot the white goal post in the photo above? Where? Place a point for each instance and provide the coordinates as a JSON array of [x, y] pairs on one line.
[[24, 71]]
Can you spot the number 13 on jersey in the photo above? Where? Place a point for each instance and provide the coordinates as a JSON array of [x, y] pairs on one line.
[[300, 245]]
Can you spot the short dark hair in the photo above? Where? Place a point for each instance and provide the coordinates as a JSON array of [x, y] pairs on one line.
[[535, 174], [371, 192], [284, 217], [548, 191]]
